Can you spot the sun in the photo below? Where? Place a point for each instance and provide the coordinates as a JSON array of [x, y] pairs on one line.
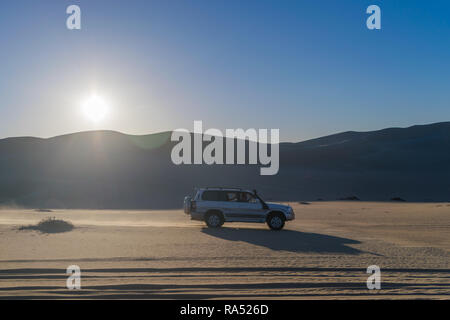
[[95, 108]]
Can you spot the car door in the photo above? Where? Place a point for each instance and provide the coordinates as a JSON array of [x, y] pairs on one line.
[[252, 207], [243, 206], [229, 205]]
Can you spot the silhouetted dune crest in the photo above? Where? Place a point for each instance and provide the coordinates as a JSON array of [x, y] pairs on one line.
[[109, 169]]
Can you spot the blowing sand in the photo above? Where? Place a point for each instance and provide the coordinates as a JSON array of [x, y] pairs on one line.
[[323, 254]]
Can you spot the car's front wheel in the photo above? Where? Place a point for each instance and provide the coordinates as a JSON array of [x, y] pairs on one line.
[[275, 221], [214, 220]]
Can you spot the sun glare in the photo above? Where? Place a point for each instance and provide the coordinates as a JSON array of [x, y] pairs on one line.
[[95, 108]]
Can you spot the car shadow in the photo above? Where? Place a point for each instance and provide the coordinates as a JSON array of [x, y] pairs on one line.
[[286, 240]]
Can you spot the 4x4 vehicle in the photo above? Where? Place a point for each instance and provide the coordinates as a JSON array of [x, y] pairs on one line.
[[218, 205]]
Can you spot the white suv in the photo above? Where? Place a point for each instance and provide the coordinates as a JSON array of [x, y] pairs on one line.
[[218, 205]]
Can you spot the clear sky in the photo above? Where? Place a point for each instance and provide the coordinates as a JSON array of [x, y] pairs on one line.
[[309, 68]]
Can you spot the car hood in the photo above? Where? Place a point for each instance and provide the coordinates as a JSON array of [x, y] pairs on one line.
[[277, 206]]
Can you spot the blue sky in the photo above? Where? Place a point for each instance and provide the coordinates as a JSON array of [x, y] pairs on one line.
[[309, 68]]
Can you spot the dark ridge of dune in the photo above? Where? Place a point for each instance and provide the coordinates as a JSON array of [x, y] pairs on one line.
[[398, 199], [108, 169]]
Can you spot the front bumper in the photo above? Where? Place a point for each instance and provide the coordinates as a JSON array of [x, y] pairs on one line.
[[290, 216]]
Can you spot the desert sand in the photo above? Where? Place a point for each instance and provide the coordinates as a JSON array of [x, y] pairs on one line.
[[323, 254]]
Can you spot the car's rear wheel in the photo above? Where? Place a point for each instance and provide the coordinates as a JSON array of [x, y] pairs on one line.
[[275, 221], [214, 220]]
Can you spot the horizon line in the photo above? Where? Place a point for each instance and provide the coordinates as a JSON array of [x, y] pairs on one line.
[[169, 131]]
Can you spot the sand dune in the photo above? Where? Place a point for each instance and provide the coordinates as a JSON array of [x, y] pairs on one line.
[[162, 254], [107, 169]]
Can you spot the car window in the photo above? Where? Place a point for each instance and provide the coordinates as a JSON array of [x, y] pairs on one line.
[[214, 196], [223, 196], [247, 197], [210, 196], [232, 196]]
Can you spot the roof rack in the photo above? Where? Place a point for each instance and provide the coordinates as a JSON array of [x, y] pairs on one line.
[[223, 188]]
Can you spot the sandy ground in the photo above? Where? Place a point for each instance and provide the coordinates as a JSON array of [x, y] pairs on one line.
[[323, 254]]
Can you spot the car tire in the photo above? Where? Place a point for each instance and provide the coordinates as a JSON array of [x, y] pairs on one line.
[[214, 220], [275, 221]]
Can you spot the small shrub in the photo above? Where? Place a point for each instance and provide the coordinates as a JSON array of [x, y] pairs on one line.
[[50, 225]]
